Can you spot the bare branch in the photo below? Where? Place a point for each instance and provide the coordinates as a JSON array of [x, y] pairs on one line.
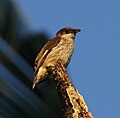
[[73, 103]]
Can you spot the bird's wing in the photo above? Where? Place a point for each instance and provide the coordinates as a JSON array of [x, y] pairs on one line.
[[44, 52]]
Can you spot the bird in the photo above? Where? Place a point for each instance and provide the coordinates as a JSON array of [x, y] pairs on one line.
[[60, 47]]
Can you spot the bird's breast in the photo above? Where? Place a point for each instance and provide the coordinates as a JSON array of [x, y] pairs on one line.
[[62, 51]]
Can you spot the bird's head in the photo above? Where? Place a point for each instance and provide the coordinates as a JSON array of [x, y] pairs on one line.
[[67, 32]]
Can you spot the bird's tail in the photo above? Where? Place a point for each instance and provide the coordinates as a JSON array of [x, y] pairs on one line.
[[39, 77], [35, 82], [33, 85]]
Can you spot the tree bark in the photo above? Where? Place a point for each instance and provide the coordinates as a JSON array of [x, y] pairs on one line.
[[74, 105]]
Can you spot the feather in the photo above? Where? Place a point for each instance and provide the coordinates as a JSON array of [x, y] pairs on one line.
[[44, 53]]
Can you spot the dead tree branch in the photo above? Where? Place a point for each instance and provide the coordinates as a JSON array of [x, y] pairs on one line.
[[74, 105]]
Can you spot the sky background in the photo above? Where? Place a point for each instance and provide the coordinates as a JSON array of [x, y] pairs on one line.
[[95, 64]]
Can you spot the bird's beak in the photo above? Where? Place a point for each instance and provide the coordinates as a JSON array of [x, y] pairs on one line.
[[77, 30]]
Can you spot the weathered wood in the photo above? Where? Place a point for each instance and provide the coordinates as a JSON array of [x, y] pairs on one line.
[[74, 105]]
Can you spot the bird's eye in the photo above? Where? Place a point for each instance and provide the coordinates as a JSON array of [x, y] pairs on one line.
[[67, 32]]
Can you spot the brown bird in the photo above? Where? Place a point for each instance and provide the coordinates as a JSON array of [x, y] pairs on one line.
[[60, 47]]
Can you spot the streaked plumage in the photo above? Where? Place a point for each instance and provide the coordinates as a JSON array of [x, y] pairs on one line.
[[60, 47]]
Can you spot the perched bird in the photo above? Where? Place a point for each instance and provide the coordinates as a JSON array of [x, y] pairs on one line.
[[60, 47]]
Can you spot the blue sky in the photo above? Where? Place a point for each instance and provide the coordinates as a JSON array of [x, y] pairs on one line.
[[95, 65]]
